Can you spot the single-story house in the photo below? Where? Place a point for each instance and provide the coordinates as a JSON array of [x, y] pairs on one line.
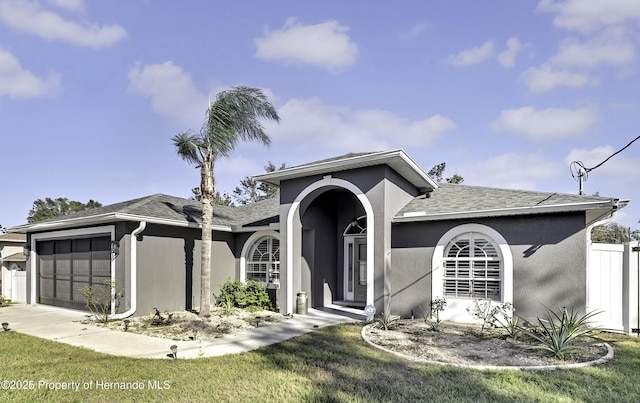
[[13, 264], [356, 230]]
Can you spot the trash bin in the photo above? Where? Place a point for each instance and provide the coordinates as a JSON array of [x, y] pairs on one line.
[[301, 303], [272, 291]]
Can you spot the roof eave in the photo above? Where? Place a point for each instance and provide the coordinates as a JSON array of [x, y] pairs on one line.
[[613, 204], [105, 218], [421, 180]]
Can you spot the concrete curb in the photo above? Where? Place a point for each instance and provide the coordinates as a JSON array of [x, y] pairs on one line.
[[608, 357]]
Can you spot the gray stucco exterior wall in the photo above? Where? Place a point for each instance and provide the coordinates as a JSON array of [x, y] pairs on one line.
[[169, 267], [549, 261], [323, 217]]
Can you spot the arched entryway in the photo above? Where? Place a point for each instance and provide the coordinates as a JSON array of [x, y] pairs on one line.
[[317, 245]]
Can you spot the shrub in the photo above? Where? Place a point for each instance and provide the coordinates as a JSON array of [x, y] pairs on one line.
[[563, 332], [386, 321], [4, 301], [437, 306], [483, 311], [510, 323], [98, 298], [251, 296]]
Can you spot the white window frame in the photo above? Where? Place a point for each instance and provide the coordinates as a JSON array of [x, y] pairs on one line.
[[248, 248], [456, 309], [471, 268]]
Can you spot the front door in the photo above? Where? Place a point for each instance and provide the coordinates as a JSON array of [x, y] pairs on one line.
[[355, 268]]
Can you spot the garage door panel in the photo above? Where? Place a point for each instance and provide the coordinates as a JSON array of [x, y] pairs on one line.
[[63, 289], [67, 266], [46, 287]]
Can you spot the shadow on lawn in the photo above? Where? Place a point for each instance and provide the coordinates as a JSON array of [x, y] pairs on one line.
[[342, 367]]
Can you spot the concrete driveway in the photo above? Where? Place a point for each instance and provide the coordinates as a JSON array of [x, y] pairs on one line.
[[64, 325]]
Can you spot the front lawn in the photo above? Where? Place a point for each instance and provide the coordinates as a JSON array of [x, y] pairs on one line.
[[331, 364]]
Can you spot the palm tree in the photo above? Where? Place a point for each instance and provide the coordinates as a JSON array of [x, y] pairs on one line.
[[235, 115]]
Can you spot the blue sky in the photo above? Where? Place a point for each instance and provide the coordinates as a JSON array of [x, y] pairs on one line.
[[506, 92]]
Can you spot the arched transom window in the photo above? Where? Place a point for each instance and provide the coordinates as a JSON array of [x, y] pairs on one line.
[[263, 260], [472, 267]]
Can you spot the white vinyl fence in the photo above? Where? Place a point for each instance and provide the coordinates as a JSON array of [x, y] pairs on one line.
[[613, 285], [19, 286]]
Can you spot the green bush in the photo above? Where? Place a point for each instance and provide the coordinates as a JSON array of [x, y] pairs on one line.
[[99, 297], [386, 321], [251, 296], [563, 332]]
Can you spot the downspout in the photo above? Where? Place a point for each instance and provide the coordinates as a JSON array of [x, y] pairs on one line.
[[611, 215], [133, 257]]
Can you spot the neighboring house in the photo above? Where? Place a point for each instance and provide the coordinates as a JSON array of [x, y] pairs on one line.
[[13, 264], [361, 229]]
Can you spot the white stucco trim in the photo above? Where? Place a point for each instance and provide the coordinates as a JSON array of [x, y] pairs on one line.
[[456, 309], [294, 208], [45, 236], [247, 246]]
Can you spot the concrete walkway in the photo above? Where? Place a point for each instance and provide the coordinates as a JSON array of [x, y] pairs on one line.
[[63, 325]]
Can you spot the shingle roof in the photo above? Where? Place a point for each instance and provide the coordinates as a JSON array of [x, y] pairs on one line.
[[170, 210], [450, 199], [338, 158], [397, 160], [16, 257], [10, 237]]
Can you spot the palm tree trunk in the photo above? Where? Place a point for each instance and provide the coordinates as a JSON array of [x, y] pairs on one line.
[[207, 189]]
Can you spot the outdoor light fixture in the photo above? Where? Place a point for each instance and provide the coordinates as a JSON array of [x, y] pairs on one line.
[[26, 250], [174, 351], [126, 324], [115, 248], [5, 326], [194, 334]]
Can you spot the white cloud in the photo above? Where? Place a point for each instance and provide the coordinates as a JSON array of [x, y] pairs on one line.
[[471, 56], [310, 124], [546, 124], [413, 32], [621, 165], [546, 78], [514, 171], [326, 45], [171, 91], [575, 64], [28, 16], [18, 83], [610, 48], [507, 58], [70, 5], [591, 15]]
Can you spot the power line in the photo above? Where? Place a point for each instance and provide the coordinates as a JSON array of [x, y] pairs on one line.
[[581, 173], [612, 155]]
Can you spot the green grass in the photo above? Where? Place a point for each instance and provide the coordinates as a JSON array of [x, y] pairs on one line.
[[328, 365]]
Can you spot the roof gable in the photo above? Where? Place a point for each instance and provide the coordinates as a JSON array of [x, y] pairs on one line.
[[398, 160]]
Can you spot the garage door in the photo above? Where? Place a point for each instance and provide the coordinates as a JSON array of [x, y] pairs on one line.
[[66, 266]]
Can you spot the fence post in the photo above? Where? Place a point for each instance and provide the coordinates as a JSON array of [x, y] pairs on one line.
[[630, 293]]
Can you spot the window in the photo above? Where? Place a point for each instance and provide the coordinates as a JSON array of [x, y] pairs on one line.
[[263, 260], [472, 267]]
